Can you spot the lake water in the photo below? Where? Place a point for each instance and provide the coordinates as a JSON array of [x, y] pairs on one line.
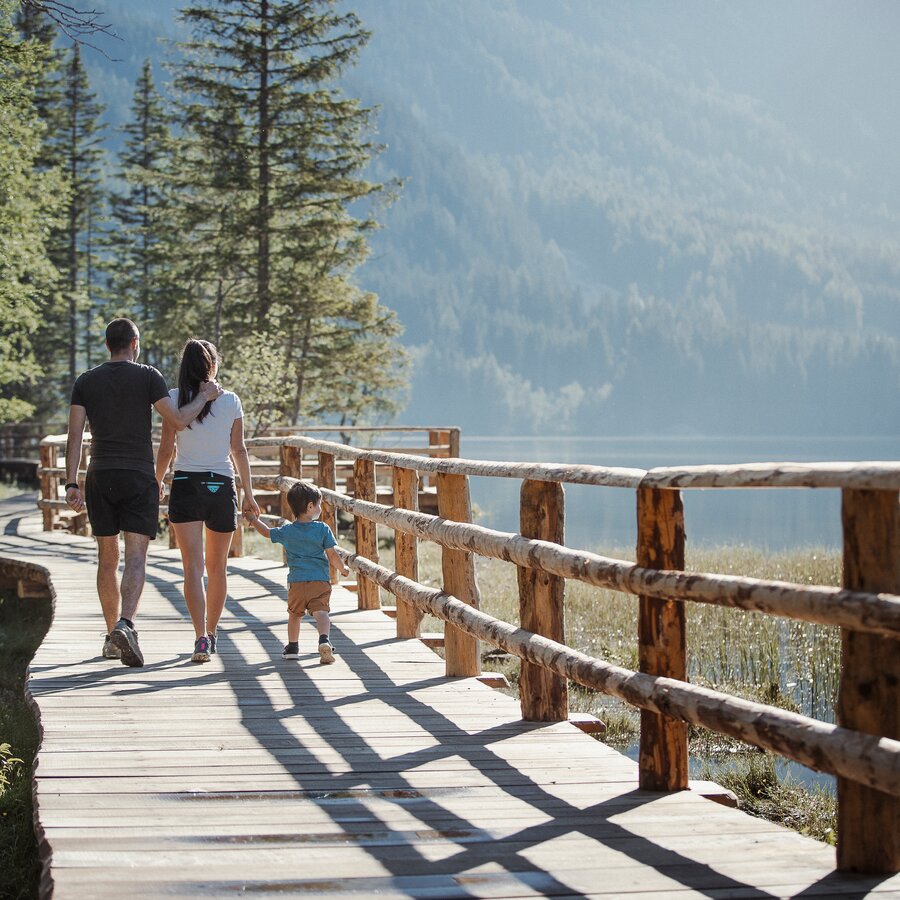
[[604, 518]]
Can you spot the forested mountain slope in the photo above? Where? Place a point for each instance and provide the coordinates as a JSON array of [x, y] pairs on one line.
[[626, 218]]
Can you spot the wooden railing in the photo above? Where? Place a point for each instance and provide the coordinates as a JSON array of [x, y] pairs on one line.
[[267, 455], [862, 749]]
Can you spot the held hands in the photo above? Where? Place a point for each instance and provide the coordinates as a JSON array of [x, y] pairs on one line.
[[250, 509]]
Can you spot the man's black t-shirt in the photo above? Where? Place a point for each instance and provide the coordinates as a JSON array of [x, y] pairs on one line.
[[118, 397]]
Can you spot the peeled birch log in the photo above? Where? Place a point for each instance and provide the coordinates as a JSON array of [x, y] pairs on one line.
[[851, 754]]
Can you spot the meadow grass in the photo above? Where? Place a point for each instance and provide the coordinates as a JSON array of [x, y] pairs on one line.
[[23, 624]]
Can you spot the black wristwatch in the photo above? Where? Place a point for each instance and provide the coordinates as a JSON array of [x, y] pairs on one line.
[[71, 485]]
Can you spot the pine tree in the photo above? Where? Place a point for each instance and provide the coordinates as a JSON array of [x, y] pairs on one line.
[[137, 260], [283, 152], [79, 142], [29, 199]]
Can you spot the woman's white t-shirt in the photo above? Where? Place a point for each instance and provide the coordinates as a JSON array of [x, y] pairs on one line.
[[206, 445]]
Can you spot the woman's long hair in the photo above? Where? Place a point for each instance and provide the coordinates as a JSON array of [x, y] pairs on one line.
[[198, 358]]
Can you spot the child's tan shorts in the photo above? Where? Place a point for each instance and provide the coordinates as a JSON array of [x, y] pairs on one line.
[[308, 596]]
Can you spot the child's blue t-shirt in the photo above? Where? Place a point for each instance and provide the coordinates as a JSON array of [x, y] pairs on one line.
[[305, 544]]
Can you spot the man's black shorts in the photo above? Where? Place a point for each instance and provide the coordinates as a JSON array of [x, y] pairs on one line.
[[203, 497], [122, 500]]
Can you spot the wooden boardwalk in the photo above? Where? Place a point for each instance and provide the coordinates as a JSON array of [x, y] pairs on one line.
[[376, 776]]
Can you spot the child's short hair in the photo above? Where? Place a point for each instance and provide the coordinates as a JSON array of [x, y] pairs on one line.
[[301, 495]]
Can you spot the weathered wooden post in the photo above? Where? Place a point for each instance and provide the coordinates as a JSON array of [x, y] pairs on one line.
[[406, 551], [367, 592], [325, 478], [48, 484], [663, 756], [868, 821], [454, 442], [544, 695], [289, 466], [462, 651]]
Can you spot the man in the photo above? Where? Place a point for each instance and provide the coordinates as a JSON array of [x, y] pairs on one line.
[[121, 490]]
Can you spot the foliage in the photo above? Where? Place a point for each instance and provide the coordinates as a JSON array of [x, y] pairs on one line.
[[29, 202], [268, 168]]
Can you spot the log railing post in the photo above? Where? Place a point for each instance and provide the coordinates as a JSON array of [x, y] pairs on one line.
[[462, 651], [406, 555], [663, 756], [48, 484], [367, 593], [454, 442], [544, 695], [325, 478], [289, 466], [868, 821]]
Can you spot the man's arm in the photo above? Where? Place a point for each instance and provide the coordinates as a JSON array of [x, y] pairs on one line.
[[183, 417], [77, 418], [164, 454]]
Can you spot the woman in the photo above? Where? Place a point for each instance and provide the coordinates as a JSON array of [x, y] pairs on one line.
[[203, 491]]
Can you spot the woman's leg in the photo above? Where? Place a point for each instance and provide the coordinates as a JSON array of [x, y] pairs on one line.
[[190, 542], [218, 543]]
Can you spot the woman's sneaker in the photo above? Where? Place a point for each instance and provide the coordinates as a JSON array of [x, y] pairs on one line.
[[110, 650], [212, 642], [291, 651], [326, 650], [125, 638], [201, 649]]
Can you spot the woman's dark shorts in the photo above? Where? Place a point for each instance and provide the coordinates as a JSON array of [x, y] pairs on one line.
[[122, 500], [203, 497]]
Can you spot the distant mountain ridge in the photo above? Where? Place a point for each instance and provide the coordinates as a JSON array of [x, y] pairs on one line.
[[597, 235]]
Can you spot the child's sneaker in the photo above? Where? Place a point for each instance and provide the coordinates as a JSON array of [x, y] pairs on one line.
[[291, 651], [213, 640], [201, 650], [326, 650], [110, 650], [125, 638]]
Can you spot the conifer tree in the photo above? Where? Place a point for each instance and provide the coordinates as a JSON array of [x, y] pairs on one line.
[[138, 262], [258, 96], [29, 199], [79, 142]]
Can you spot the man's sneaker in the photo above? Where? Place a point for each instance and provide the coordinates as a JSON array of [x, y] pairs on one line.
[[326, 650], [126, 639], [291, 651], [201, 649], [213, 640], [110, 650]]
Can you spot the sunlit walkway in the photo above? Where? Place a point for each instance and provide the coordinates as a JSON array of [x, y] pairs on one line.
[[375, 776]]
